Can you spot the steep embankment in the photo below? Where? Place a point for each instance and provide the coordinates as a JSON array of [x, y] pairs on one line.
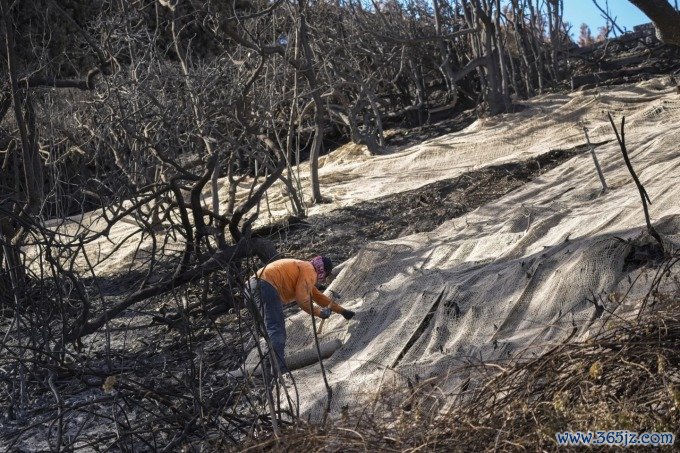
[[546, 263]]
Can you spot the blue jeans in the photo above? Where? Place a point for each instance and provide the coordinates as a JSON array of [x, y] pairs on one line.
[[270, 307]]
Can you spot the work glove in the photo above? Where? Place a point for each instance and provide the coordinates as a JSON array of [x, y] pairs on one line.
[[324, 313], [348, 314]]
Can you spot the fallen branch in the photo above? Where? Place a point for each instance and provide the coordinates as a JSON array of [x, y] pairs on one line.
[[597, 78], [219, 260]]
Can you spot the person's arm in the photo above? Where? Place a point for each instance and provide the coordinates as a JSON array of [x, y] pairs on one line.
[[325, 301], [306, 291]]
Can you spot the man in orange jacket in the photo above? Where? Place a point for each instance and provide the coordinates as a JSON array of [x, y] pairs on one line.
[[285, 281]]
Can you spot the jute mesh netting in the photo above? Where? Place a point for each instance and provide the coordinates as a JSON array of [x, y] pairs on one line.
[[544, 264]]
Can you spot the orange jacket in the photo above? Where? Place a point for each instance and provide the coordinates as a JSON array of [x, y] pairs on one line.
[[295, 280]]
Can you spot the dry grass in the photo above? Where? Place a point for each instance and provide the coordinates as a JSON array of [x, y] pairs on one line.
[[627, 378]]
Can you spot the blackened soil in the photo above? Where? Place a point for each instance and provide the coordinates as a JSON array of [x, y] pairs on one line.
[[341, 233]]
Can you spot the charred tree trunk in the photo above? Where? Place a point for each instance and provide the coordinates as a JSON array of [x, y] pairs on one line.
[[536, 33], [310, 76], [32, 169], [420, 106], [500, 45], [446, 67], [498, 100], [666, 19]]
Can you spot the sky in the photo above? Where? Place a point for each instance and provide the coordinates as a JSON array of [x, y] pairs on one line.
[[577, 12]]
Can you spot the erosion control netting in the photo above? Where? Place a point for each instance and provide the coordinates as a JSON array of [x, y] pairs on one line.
[[549, 262], [548, 122]]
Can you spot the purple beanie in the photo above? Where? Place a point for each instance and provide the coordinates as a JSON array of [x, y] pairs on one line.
[[323, 266]]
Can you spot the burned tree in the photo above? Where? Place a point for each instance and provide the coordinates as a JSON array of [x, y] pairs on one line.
[[665, 18]]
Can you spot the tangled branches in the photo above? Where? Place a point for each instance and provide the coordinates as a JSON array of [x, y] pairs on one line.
[[139, 385]]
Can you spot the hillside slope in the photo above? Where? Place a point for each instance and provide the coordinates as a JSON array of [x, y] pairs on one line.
[[549, 262]]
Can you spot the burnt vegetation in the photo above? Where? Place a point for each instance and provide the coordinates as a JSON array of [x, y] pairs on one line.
[[152, 115]]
